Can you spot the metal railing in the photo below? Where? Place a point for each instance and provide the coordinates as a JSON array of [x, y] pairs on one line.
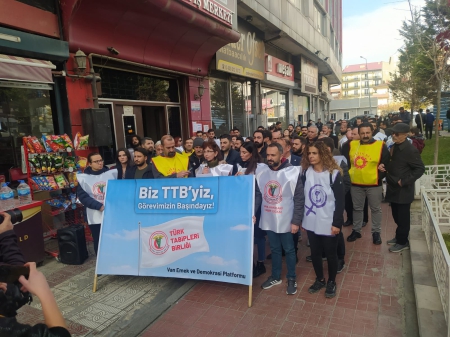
[[434, 177], [432, 202]]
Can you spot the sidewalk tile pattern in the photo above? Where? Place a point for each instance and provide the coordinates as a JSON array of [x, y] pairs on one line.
[[368, 301]]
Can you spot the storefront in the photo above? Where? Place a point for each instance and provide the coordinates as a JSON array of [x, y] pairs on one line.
[[235, 82], [276, 91], [152, 58], [309, 90], [29, 98]]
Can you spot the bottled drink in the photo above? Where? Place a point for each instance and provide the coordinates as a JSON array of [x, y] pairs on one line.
[[6, 197], [24, 193]]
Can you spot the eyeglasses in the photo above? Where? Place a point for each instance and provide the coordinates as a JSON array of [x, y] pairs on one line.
[[98, 161], [208, 151]]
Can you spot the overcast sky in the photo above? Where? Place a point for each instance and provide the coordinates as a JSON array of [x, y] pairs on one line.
[[371, 28]]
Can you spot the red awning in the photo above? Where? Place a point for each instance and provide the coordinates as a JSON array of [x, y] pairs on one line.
[[161, 33], [25, 69]]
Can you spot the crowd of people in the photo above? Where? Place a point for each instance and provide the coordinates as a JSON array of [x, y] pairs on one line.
[[317, 178]]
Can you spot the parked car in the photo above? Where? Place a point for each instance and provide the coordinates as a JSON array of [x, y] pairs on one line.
[[352, 121]]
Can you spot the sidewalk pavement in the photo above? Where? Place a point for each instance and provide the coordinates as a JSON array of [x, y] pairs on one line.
[[369, 302]]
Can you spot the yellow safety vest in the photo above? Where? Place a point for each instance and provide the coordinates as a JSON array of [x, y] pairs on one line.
[[168, 166], [187, 154], [364, 161]]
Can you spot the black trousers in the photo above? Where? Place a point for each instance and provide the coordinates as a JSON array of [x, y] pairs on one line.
[[402, 217], [95, 230], [349, 208], [327, 244], [428, 131]]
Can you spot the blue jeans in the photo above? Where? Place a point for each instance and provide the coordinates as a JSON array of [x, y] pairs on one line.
[[278, 241]]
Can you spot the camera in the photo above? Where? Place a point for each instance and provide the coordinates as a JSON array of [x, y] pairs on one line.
[[16, 216]]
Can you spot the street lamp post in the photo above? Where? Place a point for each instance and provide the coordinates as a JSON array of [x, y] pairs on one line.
[[367, 70]]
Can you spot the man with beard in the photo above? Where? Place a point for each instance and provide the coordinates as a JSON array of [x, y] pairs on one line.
[[231, 156], [377, 133], [197, 157], [298, 145], [343, 129], [304, 132], [327, 130], [237, 132], [365, 157], [171, 164], [211, 134], [278, 126], [259, 140], [313, 134], [135, 142], [276, 136], [188, 147], [291, 129], [141, 169], [238, 143], [298, 130], [149, 145], [287, 154], [280, 184]]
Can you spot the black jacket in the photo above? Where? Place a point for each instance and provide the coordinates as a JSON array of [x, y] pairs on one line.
[[233, 158], [11, 328], [85, 198], [120, 170], [299, 198], [385, 156], [9, 250], [194, 162], [405, 165], [263, 152], [295, 160], [131, 171]]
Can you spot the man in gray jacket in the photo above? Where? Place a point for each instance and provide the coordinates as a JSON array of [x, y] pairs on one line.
[[280, 197]]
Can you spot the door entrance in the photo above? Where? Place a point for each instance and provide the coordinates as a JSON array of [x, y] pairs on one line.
[[152, 121]]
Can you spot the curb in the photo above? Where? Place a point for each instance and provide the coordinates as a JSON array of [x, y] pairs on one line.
[[430, 314]]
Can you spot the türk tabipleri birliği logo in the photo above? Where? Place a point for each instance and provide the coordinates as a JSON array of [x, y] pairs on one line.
[[158, 243], [273, 193]]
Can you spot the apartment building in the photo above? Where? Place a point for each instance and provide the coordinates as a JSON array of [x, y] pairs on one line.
[[361, 80]]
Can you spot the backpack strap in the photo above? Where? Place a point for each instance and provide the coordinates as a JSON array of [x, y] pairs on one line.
[[331, 181]]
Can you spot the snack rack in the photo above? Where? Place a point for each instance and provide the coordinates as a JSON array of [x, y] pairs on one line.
[[61, 209]]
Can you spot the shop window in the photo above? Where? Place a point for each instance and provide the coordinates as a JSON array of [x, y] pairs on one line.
[[333, 116], [237, 107], [124, 85], [220, 106], [23, 112], [274, 106], [346, 115]]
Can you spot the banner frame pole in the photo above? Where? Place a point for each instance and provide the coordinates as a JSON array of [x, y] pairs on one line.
[[94, 288], [250, 288]]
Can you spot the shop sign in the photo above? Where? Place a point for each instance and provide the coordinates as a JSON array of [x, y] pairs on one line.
[[245, 57], [279, 71], [310, 76], [222, 10]]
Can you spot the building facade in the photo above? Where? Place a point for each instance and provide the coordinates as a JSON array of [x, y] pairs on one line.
[[346, 109], [358, 81]]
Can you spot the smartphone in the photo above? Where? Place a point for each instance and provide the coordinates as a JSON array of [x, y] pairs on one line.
[[11, 274]]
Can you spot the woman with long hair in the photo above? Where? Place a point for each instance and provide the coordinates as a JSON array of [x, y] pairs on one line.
[[123, 162], [324, 212], [214, 165], [250, 160]]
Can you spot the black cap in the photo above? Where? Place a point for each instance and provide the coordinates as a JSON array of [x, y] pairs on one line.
[[198, 142], [401, 128]]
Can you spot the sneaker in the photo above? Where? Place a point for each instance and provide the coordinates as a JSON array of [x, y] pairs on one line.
[[259, 269], [316, 286], [270, 282], [330, 292], [348, 223], [364, 224], [397, 248], [376, 238], [354, 236], [392, 241], [291, 286], [341, 265]]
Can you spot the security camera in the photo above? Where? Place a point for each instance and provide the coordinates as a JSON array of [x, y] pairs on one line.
[[113, 50]]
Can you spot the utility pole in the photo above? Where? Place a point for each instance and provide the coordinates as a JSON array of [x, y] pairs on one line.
[[367, 70]]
